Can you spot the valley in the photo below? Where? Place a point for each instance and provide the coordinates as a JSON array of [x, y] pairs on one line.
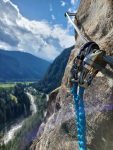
[[13, 131]]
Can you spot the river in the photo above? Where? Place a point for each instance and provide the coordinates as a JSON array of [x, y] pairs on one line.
[[9, 135], [33, 106]]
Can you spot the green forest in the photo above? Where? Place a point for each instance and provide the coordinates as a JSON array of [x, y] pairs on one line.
[[24, 136], [54, 75], [14, 103]]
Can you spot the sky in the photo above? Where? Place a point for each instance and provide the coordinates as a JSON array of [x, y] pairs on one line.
[[36, 26]]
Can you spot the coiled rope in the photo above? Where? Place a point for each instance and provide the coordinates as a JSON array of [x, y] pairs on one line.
[[78, 93]]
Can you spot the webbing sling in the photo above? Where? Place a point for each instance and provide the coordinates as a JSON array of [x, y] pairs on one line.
[[80, 115]]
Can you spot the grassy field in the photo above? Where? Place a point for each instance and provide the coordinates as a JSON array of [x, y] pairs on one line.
[[7, 85], [12, 84]]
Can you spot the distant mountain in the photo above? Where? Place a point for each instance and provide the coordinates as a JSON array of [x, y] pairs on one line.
[[53, 77], [21, 66]]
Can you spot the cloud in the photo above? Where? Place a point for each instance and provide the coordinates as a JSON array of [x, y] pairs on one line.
[[53, 17], [37, 37], [74, 5], [63, 3], [50, 7], [73, 2]]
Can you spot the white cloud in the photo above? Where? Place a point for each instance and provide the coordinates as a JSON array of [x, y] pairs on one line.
[[53, 17], [36, 37], [73, 6], [63, 3], [50, 7], [73, 2]]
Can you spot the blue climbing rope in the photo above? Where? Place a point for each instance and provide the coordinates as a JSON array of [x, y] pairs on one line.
[[80, 115]]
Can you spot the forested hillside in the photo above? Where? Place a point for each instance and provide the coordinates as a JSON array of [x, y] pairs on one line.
[[54, 75], [21, 66], [14, 103], [28, 132]]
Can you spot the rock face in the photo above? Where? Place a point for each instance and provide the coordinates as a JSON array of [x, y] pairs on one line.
[[59, 132]]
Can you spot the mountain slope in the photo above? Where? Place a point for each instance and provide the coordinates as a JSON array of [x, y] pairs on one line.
[[54, 75], [21, 66]]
